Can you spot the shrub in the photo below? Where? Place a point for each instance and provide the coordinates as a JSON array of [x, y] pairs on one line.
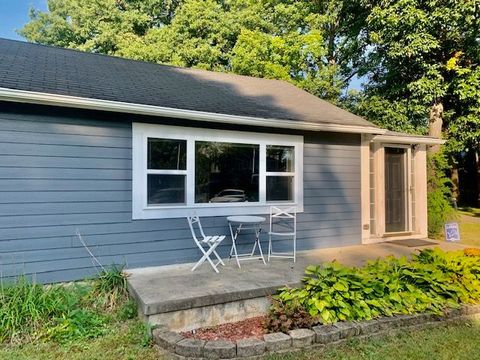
[[471, 251], [432, 281], [439, 193]]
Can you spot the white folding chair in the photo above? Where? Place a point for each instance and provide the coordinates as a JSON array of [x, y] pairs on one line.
[[283, 224], [206, 244]]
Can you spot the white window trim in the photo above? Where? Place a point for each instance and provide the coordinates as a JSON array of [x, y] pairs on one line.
[[140, 133]]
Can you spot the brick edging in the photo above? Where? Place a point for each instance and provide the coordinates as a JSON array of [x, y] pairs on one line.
[[321, 335]]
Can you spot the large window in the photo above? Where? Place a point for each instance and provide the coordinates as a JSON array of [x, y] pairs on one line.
[[226, 172], [179, 170]]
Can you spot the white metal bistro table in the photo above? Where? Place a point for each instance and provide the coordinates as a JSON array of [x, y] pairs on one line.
[[245, 222]]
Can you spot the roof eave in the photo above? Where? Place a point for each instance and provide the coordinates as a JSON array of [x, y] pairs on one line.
[[41, 98], [398, 139]]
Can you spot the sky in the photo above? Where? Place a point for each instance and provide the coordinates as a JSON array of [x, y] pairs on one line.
[[14, 14]]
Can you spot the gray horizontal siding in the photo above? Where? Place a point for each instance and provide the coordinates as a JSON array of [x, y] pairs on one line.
[[59, 174]]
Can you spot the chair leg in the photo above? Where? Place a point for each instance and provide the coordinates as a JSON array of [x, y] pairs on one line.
[[200, 262], [218, 257], [269, 247], [294, 248], [206, 256], [261, 252]]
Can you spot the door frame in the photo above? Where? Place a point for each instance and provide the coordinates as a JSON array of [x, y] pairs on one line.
[[379, 170], [372, 154], [407, 185]]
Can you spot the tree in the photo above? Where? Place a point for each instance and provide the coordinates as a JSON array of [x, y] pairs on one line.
[[313, 44], [422, 62]]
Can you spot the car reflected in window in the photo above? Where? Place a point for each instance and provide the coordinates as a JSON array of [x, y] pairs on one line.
[[229, 195]]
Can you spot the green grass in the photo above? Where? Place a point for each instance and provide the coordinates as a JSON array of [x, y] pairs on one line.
[[127, 342], [443, 342], [469, 211], [469, 223], [63, 312], [123, 341]]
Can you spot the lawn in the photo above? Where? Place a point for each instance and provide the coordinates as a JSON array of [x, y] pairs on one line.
[[442, 342], [128, 342], [469, 222], [125, 340]]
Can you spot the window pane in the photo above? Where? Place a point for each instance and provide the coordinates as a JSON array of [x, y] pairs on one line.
[[166, 189], [279, 188], [280, 158], [167, 154], [226, 172]]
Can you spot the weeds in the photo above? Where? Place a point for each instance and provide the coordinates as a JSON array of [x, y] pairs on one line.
[[63, 312]]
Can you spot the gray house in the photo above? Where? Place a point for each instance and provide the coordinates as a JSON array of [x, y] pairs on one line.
[[120, 151]]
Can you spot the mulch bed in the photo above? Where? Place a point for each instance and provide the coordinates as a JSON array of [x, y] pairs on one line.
[[253, 327]]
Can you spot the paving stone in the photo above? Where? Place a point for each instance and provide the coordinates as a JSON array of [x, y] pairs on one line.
[[326, 334], [302, 337], [220, 349], [347, 329], [471, 309], [453, 313], [250, 347], [190, 348], [390, 322], [277, 341], [428, 318], [165, 338], [408, 320], [369, 327]]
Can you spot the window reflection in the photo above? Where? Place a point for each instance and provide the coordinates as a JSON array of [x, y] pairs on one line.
[[165, 189], [280, 158], [279, 188], [167, 154], [226, 172]]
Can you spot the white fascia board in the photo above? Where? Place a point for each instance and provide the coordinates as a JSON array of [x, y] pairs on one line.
[[32, 97], [394, 139]]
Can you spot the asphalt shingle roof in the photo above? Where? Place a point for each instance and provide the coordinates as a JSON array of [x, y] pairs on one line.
[[48, 69]]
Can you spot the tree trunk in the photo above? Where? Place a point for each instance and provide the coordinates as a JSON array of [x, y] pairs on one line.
[[455, 183], [435, 124]]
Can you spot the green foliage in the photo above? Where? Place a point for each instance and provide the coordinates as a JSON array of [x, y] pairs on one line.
[[411, 54], [425, 53], [128, 310], [431, 282], [439, 194], [300, 41], [25, 306], [75, 324], [63, 312]]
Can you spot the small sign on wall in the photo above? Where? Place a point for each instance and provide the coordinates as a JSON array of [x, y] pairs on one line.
[[452, 232]]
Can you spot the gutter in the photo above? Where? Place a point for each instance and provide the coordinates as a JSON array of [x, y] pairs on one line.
[[40, 98]]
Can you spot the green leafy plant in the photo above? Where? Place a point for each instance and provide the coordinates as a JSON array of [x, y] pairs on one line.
[[431, 281], [439, 194], [128, 310]]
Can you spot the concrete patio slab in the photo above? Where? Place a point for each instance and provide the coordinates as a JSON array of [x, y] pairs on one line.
[[176, 297]]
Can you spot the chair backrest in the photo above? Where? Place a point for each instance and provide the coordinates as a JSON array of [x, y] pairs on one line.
[[286, 217], [194, 222]]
